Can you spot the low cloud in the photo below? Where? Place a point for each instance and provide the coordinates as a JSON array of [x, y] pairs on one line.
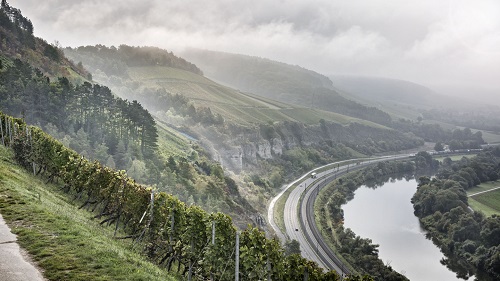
[[450, 45]]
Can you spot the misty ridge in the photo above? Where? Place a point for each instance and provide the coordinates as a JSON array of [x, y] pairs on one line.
[[450, 47]]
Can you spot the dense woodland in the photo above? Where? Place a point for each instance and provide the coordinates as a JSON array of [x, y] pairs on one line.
[[17, 41], [469, 240], [91, 119], [12, 20], [456, 139]]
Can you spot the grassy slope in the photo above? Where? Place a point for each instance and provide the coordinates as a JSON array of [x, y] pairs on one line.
[[290, 84], [235, 106], [397, 97], [489, 202], [170, 142], [63, 240]]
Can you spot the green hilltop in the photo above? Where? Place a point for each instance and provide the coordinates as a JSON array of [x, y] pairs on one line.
[[115, 67], [290, 84]]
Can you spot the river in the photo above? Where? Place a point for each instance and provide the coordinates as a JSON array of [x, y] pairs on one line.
[[385, 215]]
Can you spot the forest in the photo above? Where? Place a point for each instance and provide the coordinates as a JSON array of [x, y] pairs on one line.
[[111, 60], [469, 239]]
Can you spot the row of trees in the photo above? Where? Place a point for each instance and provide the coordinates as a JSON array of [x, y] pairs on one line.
[[172, 234], [456, 139], [115, 60], [469, 240], [105, 118]]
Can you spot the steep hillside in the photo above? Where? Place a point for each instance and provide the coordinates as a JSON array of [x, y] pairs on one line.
[[18, 41], [241, 129], [398, 97], [62, 239], [282, 82], [119, 133], [118, 69], [254, 74], [404, 99], [169, 233]]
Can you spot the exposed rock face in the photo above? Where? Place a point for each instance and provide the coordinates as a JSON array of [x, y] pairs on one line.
[[277, 147], [264, 149], [240, 149]]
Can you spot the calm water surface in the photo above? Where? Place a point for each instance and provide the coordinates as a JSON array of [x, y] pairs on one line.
[[385, 215]]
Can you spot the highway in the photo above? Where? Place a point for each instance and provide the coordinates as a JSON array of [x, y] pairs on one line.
[[299, 210]]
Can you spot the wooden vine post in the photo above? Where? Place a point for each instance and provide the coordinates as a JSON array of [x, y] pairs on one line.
[[213, 244], [10, 133], [237, 258], [1, 131]]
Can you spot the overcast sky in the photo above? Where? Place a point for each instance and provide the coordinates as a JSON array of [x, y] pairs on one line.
[[452, 46]]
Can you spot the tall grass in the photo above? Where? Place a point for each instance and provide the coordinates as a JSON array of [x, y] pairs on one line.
[[63, 240]]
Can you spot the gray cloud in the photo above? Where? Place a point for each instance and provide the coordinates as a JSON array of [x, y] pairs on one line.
[[452, 45]]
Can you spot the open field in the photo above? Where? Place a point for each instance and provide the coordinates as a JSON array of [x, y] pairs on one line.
[[491, 137], [488, 202], [455, 157], [62, 239], [483, 187]]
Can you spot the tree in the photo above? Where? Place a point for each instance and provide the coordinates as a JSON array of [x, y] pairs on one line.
[[137, 170], [292, 247], [122, 157], [110, 162], [438, 147]]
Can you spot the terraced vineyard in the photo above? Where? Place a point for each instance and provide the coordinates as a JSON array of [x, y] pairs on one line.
[[235, 106]]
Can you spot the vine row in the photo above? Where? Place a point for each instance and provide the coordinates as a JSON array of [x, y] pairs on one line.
[[184, 239]]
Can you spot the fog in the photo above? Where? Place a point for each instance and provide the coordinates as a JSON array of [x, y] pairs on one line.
[[451, 46]]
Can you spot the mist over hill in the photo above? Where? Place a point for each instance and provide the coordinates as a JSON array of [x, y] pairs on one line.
[[405, 99], [282, 82], [397, 97]]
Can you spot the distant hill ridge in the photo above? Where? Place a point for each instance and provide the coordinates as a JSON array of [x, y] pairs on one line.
[[282, 82], [255, 74], [112, 60]]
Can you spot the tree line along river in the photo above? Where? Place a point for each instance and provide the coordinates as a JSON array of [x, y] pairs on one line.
[[385, 215]]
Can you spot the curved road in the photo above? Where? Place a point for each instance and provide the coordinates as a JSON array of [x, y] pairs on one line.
[[299, 211]]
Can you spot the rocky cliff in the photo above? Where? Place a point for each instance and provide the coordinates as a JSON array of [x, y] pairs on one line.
[[238, 149]]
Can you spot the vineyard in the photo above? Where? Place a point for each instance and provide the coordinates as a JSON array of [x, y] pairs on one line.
[[183, 239]]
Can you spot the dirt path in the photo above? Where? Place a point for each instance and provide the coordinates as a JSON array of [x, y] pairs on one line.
[[15, 265]]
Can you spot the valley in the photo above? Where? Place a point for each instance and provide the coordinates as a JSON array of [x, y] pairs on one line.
[[196, 158]]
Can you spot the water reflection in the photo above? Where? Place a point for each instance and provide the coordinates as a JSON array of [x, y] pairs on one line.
[[382, 211]]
